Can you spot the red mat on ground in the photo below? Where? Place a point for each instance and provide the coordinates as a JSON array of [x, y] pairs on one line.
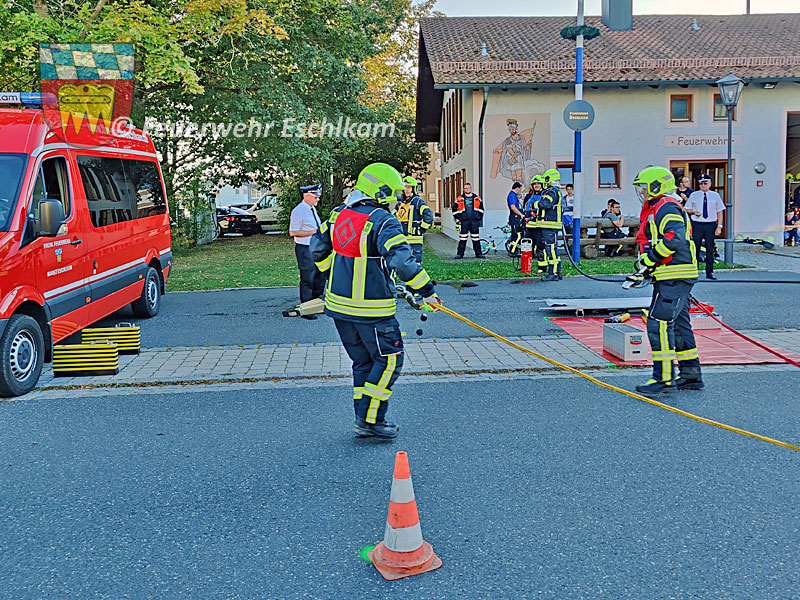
[[715, 346]]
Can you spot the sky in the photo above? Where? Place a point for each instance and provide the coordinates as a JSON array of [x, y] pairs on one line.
[[501, 8]]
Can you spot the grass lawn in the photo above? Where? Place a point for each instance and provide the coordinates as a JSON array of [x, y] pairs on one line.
[[256, 261], [268, 260]]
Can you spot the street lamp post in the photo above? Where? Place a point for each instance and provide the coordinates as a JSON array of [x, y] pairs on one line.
[[730, 89]]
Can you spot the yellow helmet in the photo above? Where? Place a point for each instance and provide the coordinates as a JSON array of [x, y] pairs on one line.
[[537, 179], [380, 181], [652, 182], [410, 181], [551, 176]]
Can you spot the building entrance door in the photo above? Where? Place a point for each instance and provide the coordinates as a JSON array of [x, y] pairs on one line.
[[718, 171]]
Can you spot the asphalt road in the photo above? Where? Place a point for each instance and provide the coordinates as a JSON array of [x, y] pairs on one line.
[[254, 316], [538, 489]]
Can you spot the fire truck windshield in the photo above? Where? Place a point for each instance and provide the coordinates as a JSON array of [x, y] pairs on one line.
[[12, 170]]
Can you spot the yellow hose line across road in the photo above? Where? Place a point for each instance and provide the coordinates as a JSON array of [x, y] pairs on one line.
[[555, 363]]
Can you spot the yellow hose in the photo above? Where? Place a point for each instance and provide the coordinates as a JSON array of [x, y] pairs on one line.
[[607, 386]]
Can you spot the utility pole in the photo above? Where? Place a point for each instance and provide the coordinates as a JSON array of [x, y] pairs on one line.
[[577, 175]]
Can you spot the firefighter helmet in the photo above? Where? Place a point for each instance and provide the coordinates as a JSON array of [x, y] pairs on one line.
[[410, 181], [537, 179], [652, 182], [380, 181], [551, 176]]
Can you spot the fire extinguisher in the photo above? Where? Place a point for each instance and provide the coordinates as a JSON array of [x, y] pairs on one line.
[[526, 262]]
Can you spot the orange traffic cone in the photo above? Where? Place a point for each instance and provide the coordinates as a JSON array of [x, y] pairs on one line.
[[403, 552]]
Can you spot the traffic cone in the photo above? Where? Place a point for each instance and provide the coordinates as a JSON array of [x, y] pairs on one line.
[[403, 552]]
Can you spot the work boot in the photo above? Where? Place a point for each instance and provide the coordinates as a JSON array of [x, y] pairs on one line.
[[652, 387], [683, 383], [558, 272], [459, 256], [550, 275], [383, 430]]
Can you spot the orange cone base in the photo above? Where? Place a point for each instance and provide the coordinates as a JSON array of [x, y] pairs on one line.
[[392, 570]]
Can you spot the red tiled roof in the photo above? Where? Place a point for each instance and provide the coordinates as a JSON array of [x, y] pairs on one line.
[[530, 50]]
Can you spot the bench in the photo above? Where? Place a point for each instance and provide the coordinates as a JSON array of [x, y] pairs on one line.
[[591, 243]]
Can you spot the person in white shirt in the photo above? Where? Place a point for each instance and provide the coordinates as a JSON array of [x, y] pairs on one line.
[[304, 223], [706, 209]]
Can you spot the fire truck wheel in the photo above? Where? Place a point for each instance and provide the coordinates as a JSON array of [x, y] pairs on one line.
[[147, 306], [22, 351]]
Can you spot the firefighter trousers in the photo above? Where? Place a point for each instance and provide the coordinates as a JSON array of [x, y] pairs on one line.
[[535, 234], [376, 350], [669, 330], [469, 230], [552, 261], [416, 250]]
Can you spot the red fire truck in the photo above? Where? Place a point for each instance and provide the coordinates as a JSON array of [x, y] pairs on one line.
[[84, 231]]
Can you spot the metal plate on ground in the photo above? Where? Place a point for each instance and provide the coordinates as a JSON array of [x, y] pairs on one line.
[[581, 305]]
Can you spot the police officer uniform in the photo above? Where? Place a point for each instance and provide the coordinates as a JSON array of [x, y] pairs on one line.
[[415, 217], [667, 249], [468, 213], [304, 217], [359, 246]]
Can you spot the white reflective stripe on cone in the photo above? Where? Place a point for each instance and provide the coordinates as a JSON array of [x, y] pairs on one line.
[[402, 491], [405, 539]]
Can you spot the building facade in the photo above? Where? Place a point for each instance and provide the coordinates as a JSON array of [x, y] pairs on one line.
[[655, 104]]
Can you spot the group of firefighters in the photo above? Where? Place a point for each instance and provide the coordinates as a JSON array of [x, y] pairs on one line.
[[364, 250]]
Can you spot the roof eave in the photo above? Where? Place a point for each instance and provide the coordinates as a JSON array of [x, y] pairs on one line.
[[568, 84]]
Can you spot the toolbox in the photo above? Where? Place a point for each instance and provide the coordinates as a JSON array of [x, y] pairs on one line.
[[125, 335], [76, 360], [624, 341]]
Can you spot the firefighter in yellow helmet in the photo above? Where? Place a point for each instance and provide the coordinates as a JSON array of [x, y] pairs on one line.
[[358, 247], [667, 253], [415, 216], [532, 229], [550, 222]]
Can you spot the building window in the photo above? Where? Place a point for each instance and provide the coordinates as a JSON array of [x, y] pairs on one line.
[[720, 112], [608, 175], [566, 170], [680, 107]]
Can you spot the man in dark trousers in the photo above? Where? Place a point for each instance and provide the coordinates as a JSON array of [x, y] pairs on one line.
[[515, 216], [302, 225], [707, 210], [468, 213], [361, 245]]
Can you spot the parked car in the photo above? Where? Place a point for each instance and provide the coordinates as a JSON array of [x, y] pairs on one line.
[[84, 231], [235, 220], [266, 211], [243, 205]]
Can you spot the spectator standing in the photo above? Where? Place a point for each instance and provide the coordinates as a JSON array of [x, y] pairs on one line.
[[304, 223], [569, 199], [684, 191], [613, 214], [515, 216], [791, 229], [707, 210], [568, 202]]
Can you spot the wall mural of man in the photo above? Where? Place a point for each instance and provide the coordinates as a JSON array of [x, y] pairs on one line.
[[519, 156]]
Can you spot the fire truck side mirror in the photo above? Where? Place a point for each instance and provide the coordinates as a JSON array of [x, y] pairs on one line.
[[51, 216]]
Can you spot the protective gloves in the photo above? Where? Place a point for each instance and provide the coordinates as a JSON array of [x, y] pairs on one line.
[[431, 303]]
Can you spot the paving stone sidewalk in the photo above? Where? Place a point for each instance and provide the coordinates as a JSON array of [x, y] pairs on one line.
[[328, 359]]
